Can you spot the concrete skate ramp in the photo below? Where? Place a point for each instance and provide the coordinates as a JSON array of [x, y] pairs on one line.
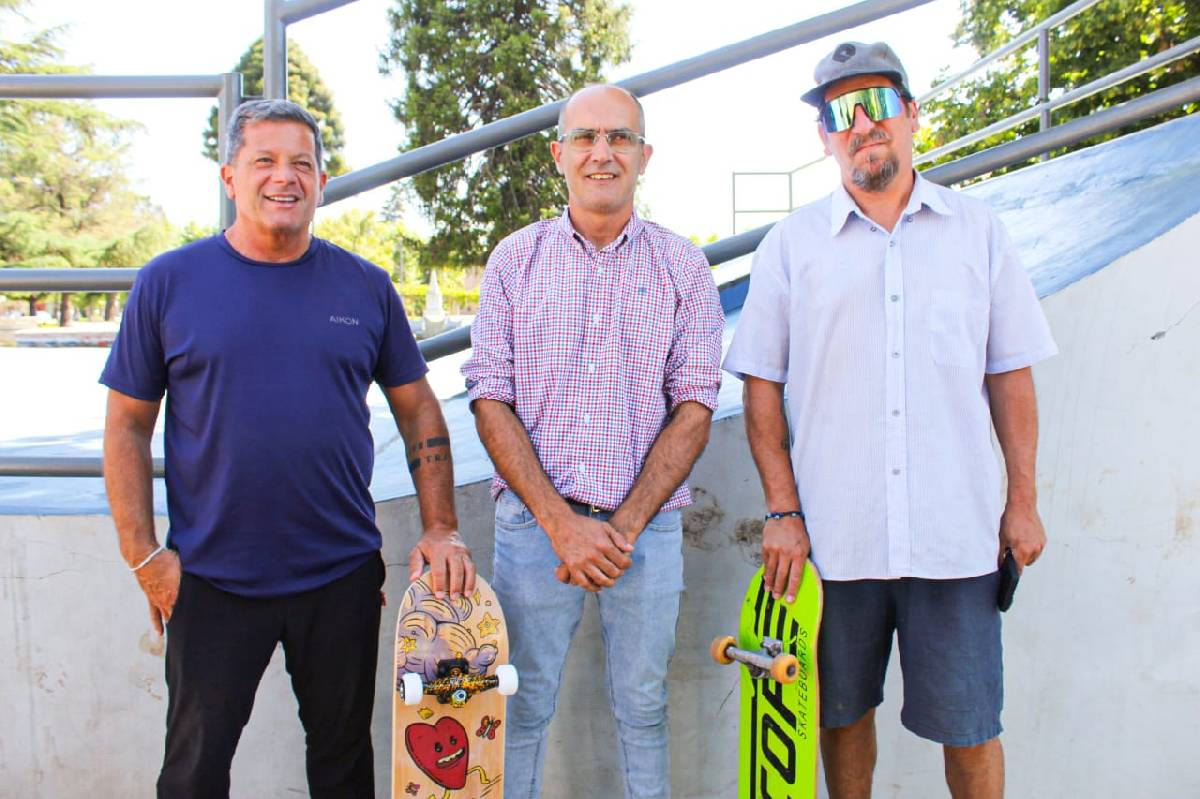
[[1101, 644]]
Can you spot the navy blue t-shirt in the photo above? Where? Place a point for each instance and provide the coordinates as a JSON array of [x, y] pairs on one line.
[[266, 367]]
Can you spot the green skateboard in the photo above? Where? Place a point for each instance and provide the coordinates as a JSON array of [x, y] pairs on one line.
[[777, 645]]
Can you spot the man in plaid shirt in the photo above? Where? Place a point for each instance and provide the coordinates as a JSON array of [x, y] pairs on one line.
[[593, 379]]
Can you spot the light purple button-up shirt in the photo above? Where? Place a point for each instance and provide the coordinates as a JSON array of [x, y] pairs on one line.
[[594, 348], [883, 340]]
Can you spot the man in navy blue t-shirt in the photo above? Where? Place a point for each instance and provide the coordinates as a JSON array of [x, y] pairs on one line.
[[265, 340]]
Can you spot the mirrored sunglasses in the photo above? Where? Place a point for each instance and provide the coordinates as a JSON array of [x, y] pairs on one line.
[[879, 102]]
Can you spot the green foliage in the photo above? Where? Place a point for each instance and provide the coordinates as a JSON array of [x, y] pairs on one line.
[[65, 198], [470, 62], [1102, 39], [456, 298], [194, 231], [383, 243], [305, 87]]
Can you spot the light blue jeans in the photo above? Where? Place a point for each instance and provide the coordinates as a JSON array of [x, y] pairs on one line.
[[637, 617]]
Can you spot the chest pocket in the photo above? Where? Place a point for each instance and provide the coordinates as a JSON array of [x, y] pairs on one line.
[[958, 325], [647, 324]]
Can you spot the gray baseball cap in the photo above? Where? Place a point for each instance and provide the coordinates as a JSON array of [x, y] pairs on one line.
[[855, 58]]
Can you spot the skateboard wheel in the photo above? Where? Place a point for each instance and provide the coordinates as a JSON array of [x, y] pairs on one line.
[[720, 647], [507, 677], [785, 669], [411, 688]]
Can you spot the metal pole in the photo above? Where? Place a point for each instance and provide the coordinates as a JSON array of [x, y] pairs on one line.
[[60, 467], [228, 101], [733, 197], [1043, 99], [274, 52], [503, 131], [69, 281], [82, 87]]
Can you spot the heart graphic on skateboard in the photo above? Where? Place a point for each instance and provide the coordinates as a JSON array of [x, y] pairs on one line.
[[440, 750]]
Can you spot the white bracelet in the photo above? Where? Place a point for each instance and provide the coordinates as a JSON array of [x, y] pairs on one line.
[[149, 558]]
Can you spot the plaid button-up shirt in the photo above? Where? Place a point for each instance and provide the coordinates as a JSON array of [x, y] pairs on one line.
[[594, 348]]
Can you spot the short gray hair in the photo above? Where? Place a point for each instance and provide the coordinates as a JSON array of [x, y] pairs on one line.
[[262, 111]]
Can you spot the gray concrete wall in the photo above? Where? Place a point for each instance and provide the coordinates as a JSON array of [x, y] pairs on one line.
[[1102, 645]]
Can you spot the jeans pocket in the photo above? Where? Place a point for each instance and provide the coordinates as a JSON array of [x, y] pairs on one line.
[[511, 512], [666, 522]]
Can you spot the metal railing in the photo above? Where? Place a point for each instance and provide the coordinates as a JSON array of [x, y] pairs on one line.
[[719, 252], [1042, 108], [227, 88]]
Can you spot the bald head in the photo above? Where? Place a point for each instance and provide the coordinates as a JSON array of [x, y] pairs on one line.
[[599, 89]]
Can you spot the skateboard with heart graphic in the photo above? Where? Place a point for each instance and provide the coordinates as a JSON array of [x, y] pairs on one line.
[[451, 682], [777, 647]]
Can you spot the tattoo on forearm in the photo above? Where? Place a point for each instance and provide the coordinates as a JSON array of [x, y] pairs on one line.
[[418, 449]]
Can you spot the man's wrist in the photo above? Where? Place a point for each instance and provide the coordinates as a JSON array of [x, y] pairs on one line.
[[440, 530]]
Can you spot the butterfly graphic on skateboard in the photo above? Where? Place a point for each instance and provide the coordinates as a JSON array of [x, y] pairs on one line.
[[451, 683]]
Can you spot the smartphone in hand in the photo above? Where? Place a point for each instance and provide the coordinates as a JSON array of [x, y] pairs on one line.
[[1008, 581]]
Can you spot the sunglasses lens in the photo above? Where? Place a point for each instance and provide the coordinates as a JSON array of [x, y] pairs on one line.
[[880, 103]]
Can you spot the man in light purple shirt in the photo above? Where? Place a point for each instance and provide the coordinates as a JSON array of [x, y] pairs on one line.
[[593, 378], [898, 318]]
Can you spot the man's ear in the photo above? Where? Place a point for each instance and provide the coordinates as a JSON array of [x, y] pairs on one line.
[[227, 180], [556, 151], [914, 115]]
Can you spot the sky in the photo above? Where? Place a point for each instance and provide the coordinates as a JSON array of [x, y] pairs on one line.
[[748, 118]]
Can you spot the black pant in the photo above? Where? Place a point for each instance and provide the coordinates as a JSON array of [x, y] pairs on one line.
[[218, 646]]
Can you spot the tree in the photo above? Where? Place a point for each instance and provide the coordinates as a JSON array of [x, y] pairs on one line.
[[384, 243], [305, 87], [1100, 40], [65, 199], [471, 62]]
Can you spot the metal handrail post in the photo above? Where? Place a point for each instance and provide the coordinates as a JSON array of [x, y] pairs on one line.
[[733, 198], [275, 78], [1043, 47], [227, 102]]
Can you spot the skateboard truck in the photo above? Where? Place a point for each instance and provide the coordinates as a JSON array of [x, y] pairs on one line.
[[455, 684], [771, 662]]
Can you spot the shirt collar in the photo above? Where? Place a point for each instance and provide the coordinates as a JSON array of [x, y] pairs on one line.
[[633, 227], [924, 193]]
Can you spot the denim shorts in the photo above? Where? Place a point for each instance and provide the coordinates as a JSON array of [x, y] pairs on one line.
[[950, 654]]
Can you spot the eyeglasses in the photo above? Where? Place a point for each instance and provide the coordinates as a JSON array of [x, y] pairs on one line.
[[621, 140], [880, 103]]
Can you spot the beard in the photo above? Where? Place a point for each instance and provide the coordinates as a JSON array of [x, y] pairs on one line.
[[879, 179]]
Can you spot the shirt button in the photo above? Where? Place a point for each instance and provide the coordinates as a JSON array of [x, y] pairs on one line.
[[895, 355], [591, 368], [873, 228], [895, 298], [891, 244], [895, 471], [895, 413], [596, 319], [587, 417]]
